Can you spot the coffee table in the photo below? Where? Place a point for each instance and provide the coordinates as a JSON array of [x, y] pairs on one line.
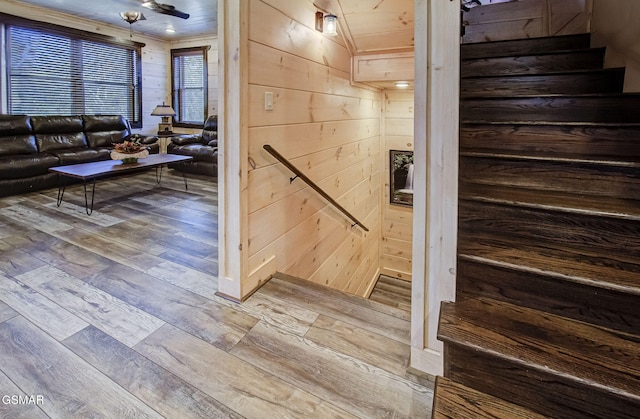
[[94, 170]]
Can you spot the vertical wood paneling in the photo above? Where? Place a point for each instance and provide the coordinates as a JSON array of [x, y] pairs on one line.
[[327, 128], [397, 231]]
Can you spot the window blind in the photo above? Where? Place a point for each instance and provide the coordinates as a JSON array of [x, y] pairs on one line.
[[55, 74], [189, 80]]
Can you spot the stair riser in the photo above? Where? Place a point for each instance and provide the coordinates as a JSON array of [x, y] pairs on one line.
[[537, 390], [615, 310], [525, 46], [567, 84], [533, 64], [585, 179], [575, 109], [553, 140], [580, 233]]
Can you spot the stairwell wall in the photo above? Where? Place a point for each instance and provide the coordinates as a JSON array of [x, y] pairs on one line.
[[328, 128], [397, 230]]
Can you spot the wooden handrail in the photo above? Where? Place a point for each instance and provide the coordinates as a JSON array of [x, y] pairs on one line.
[[311, 183]]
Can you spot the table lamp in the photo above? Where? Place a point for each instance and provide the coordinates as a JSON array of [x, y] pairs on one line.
[[165, 111]]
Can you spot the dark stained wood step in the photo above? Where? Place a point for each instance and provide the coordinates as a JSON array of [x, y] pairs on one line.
[[562, 61], [616, 179], [621, 108], [524, 46], [562, 264], [583, 82], [574, 202], [591, 236], [497, 273], [452, 400], [583, 141], [555, 366]]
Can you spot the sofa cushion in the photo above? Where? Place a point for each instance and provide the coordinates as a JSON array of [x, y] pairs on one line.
[[16, 167], [104, 130], [185, 139], [16, 136], [81, 155], [58, 132], [199, 152]]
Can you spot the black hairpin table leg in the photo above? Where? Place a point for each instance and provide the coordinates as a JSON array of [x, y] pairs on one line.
[[61, 186], [88, 209], [158, 174]]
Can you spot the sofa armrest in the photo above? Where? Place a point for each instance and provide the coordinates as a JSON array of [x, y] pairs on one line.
[[152, 139], [185, 139]]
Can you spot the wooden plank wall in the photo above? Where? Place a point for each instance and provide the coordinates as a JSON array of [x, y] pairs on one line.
[[527, 19], [615, 25], [330, 130], [397, 230]]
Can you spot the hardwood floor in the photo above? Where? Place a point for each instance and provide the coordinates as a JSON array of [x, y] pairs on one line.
[[114, 315]]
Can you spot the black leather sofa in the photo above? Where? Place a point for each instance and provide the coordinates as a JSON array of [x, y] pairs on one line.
[[30, 145], [203, 148]]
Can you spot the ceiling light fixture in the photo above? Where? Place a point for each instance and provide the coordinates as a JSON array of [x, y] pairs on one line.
[[131, 16], [402, 84], [170, 30]]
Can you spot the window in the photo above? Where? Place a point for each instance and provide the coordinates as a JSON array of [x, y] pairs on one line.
[[58, 71], [189, 86]]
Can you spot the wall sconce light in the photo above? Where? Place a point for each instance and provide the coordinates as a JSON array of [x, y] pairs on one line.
[[327, 24], [165, 111], [330, 25]]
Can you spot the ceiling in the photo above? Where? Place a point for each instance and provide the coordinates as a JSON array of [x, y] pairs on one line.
[[370, 26], [203, 18]]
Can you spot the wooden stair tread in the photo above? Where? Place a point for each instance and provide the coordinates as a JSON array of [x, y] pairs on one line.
[[605, 274], [575, 72], [609, 108], [557, 158], [573, 351], [539, 63], [553, 201], [518, 46], [456, 401], [336, 295], [586, 141]]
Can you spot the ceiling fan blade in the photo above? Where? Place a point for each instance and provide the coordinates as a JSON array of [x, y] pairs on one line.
[[165, 9]]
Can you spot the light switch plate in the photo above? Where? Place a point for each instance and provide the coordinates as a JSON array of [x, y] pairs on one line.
[[268, 101]]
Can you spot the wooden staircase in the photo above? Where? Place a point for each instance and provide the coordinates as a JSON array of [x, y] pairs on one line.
[[547, 313]]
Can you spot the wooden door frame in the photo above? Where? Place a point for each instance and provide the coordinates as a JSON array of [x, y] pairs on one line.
[[435, 217]]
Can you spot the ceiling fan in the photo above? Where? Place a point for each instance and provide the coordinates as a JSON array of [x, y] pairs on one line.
[[165, 9]]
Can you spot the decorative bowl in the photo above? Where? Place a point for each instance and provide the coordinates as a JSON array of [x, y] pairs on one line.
[[129, 158]]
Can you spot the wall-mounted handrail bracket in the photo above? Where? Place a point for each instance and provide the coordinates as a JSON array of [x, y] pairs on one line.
[[312, 184]]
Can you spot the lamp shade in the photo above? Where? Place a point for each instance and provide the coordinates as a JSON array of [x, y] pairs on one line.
[[163, 110]]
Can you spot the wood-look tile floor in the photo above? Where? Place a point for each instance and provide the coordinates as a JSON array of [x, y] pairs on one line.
[[114, 315]]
